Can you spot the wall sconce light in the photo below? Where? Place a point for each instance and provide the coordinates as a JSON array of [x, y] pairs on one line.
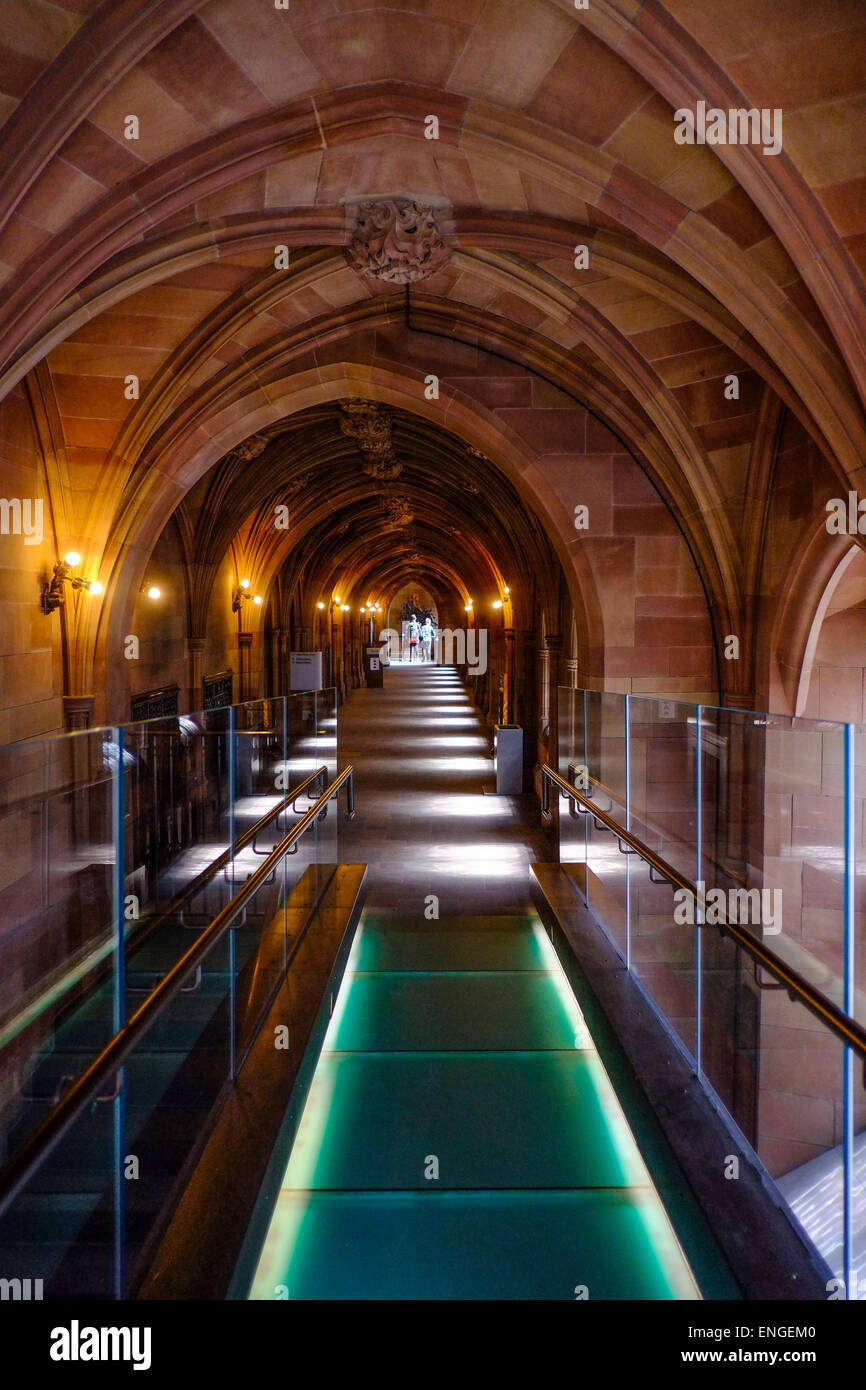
[[497, 603], [344, 608], [53, 595], [240, 594], [320, 605], [507, 590], [153, 592]]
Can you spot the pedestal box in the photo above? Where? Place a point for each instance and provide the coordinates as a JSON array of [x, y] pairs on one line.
[[305, 671], [508, 759]]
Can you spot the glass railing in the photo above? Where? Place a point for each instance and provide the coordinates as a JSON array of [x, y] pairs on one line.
[[766, 816], [118, 847]]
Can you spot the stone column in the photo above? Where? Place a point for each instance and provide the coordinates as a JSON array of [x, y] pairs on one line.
[[525, 701], [543, 657], [195, 671], [509, 716], [279, 674], [553, 651], [245, 642]]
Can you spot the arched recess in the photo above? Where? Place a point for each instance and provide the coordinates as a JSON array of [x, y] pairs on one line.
[[148, 513], [790, 639], [831, 677]]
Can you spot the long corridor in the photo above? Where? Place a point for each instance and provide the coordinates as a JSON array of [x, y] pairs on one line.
[[423, 822], [461, 1137]]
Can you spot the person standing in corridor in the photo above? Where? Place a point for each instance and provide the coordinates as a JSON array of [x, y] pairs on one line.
[[427, 640]]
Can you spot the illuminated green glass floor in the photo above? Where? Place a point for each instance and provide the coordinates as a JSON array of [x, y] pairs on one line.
[[461, 1138]]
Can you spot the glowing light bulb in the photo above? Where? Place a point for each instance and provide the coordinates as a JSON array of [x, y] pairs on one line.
[[245, 583], [497, 603], [72, 558], [257, 599], [337, 598], [95, 588], [507, 590], [320, 605], [153, 592]]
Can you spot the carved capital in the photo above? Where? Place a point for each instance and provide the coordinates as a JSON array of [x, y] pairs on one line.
[[77, 711]]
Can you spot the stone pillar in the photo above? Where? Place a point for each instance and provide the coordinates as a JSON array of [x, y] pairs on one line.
[[331, 677], [571, 669], [553, 650], [525, 699], [195, 672], [245, 642], [509, 716], [543, 689], [278, 672]]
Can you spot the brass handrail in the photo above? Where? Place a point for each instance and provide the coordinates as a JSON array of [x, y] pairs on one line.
[[845, 1028], [18, 1170], [618, 797], [249, 836], [94, 963]]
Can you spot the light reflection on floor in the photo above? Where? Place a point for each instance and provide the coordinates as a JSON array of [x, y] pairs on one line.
[[417, 788]]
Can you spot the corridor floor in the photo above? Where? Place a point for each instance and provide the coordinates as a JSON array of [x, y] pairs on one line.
[[423, 822], [461, 1138]]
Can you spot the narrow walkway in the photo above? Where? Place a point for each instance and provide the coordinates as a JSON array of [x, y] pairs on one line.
[[461, 1137], [423, 822]]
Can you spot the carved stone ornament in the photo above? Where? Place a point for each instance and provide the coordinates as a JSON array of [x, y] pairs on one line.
[[400, 511], [251, 448], [371, 428], [397, 241]]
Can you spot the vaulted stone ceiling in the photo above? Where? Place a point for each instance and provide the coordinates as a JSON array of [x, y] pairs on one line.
[[259, 127], [448, 518]]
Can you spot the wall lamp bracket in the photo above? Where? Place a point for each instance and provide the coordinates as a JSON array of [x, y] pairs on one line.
[[240, 594], [53, 592]]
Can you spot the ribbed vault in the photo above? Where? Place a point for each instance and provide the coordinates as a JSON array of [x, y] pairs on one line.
[[153, 258]]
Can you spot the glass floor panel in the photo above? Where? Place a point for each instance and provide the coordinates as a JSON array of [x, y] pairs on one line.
[[461, 1137], [450, 947], [447, 1245], [531, 1119], [439, 1012]]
